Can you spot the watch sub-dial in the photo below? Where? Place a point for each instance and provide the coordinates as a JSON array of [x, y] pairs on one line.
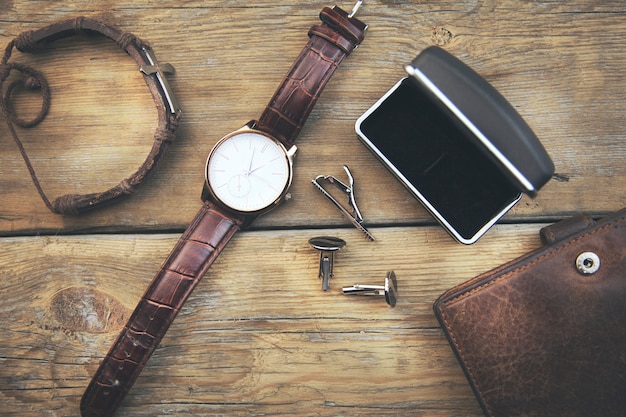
[[239, 186]]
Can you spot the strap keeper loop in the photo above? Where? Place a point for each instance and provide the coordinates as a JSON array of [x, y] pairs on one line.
[[327, 33]]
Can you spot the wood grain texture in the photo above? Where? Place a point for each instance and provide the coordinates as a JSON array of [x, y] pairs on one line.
[[258, 336], [559, 64]]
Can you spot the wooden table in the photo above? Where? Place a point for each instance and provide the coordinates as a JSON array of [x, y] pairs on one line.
[[258, 336]]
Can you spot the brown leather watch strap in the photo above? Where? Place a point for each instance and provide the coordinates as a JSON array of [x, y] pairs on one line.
[[329, 43], [196, 250], [337, 36], [169, 112]]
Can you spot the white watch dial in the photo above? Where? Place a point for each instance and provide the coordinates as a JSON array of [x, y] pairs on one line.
[[248, 171]]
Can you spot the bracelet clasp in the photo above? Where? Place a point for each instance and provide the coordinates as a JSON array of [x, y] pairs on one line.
[[160, 71]]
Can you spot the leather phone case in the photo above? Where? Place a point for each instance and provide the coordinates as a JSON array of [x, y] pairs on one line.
[[545, 334]]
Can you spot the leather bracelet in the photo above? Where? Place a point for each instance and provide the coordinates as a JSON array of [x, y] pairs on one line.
[[169, 112]]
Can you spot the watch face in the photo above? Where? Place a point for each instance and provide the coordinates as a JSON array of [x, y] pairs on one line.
[[248, 171]]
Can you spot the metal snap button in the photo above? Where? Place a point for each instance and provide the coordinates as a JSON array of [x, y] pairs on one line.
[[588, 263]]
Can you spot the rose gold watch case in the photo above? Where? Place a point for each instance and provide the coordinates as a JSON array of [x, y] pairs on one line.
[[209, 194]]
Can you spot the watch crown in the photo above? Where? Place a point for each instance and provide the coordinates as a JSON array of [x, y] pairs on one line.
[[287, 197]]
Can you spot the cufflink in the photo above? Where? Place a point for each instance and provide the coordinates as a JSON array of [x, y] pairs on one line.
[[327, 245], [389, 290]]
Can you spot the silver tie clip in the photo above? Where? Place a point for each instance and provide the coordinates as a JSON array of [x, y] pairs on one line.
[[355, 217]]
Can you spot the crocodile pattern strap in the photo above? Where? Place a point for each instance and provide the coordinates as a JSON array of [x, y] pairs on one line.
[[337, 36], [169, 112], [196, 250], [330, 42]]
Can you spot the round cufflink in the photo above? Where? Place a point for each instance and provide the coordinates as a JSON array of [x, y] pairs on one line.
[[389, 290], [327, 246]]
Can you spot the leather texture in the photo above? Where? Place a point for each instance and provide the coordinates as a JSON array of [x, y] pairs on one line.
[[38, 41], [535, 337], [564, 228], [213, 227], [196, 250], [329, 43]]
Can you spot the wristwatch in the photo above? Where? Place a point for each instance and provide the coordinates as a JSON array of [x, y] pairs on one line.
[[248, 172]]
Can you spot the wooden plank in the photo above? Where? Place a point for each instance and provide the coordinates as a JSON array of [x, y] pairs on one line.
[[258, 336], [560, 64]]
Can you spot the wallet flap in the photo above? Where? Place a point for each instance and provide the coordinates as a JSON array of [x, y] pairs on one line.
[[537, 337]]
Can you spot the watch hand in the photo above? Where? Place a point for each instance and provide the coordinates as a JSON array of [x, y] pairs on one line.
[[269, 183], [256, 169], [261, 166], [250, 164]]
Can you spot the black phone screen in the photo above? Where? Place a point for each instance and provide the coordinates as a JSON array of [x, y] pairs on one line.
[[438, 158]]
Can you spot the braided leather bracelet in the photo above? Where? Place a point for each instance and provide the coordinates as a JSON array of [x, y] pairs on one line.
[[168, 110]]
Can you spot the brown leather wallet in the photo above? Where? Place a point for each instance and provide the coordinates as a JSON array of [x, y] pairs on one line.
[[545, 334]]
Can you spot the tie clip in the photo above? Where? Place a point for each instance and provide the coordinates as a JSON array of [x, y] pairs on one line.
[[354, 216]]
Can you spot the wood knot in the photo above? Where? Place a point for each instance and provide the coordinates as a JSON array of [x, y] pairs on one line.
[[441, 36], [86, 310]]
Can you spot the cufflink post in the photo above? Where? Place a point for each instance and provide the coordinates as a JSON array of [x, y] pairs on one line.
[[327, 245], [389, 290]]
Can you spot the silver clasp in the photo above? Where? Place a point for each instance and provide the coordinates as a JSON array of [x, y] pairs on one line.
[[159, 71], [355, 217]]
